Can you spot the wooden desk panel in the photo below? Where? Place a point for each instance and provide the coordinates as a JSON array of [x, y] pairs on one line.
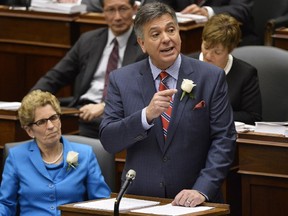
[[70, 210], [280, 38], [263, 160], [30, 44], [190, 32]]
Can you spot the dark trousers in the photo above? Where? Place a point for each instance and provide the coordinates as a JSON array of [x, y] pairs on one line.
[[89, 128]]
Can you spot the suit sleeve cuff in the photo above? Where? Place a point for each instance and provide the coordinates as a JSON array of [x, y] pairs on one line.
[[145, 124], [206, 197]]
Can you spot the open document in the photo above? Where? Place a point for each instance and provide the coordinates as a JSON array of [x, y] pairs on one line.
[[141, 206], [125, 204], [169, 209]]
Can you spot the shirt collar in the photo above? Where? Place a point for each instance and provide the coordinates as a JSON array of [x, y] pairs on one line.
[[228, 66], [173, 70], [122, 39]]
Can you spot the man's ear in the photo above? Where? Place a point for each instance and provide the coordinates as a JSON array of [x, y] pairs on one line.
[[141, 44]]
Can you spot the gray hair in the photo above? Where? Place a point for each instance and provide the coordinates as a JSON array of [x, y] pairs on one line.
[[149, 12]]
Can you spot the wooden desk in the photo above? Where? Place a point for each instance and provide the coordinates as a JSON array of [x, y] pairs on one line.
[[263, 165], [280, 38], [190, 32], [70, 210], [30, 44]]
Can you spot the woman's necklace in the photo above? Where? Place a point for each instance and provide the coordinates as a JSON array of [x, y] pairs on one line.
[[52, 162]]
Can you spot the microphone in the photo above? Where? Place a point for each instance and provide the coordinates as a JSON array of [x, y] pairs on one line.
[[130, 176]]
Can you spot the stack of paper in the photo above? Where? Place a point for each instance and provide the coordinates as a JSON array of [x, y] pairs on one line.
[[52, 6], [182, 18], [9, 105], [272, 127], [242, 127]]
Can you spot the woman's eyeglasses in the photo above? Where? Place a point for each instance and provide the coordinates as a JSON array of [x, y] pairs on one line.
[[43, 122]]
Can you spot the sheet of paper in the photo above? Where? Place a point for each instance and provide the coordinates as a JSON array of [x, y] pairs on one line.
[[182, 18], [242, 127], [272, 127], [170, 210], [125, 204], [9, 105]]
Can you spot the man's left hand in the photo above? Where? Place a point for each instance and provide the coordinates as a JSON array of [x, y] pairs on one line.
[[188, 198], [91, 111]]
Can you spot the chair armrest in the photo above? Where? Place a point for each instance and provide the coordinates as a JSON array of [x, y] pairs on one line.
[[273, 24]]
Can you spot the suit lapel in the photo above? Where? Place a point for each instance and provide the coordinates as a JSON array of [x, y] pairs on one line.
[[36, 160], [93, 60], [132, 46], [185, 72], [148, 90]]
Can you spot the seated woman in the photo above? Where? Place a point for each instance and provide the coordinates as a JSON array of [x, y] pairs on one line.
[[221, 34], [47, 171]]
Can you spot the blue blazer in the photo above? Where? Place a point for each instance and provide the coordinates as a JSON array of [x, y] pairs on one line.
[[201, 137], [27, 182]]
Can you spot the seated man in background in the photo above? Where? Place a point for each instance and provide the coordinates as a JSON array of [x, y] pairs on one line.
[[239, 9], [221, 34], [89, 62]]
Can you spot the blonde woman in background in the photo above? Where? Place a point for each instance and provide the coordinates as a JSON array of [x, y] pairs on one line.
[[37, 177]]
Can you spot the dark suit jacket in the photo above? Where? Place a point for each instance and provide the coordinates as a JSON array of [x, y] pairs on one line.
[[240, 9], [244, 91], [200, 144], [82, 61], [93, 5]]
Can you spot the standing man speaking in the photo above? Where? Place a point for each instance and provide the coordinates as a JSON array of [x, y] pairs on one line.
[[172, 115]]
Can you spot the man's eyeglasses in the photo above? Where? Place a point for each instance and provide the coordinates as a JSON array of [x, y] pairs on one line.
[[121, 10], [43, 122]]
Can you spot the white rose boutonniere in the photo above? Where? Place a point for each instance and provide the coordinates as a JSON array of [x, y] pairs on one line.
[[187, 87], [72, 160]]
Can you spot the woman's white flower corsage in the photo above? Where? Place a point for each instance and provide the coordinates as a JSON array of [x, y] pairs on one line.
[[187, 87], [72, 160]]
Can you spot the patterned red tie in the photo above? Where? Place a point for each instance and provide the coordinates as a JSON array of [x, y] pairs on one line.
[[112, 65], [165, 116]]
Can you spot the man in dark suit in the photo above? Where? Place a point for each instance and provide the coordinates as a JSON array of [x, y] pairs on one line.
[[239, 9], [93, 5], [86, 63], [189, 159]]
